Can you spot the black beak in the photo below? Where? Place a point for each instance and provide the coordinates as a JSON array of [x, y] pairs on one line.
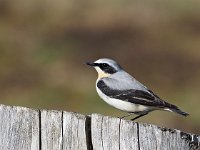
[[91, 64]]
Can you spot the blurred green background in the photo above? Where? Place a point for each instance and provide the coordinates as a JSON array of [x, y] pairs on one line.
[[44, 44]]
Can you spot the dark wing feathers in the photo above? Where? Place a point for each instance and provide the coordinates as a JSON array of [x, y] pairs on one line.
[[134, 96]]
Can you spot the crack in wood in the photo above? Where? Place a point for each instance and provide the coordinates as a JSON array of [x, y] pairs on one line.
[[24, 128], [88, 133], [40, 133], [119, 133], [62, 129], [138, 135]]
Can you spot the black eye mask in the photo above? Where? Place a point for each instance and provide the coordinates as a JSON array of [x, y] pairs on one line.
[[107, 68]]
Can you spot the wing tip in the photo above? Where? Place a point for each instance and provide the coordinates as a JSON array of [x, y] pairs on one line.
[[178, 111]]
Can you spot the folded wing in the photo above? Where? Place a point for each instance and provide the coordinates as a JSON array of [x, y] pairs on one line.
[[147, 98]]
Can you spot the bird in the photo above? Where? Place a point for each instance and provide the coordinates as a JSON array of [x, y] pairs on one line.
[[122, 91]]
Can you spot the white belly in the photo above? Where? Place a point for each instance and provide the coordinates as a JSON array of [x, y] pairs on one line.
[[122, 105]]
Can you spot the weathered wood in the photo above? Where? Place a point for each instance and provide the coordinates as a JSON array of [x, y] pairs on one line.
[[51, 130], [128, 135], [19, 128], [74, 132], [96, 129], [153, 137], [28, 129], [105, 132], [113, 133]]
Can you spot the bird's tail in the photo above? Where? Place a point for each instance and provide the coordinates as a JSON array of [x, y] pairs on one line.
[[178, 111]]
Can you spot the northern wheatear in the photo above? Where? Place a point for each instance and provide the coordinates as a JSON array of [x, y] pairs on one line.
[[120, 90]]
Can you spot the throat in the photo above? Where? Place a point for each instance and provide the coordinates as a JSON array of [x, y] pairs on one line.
[[103, 75]]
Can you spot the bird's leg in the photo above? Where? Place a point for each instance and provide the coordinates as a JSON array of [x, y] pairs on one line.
[[139, 116], [125, 116]]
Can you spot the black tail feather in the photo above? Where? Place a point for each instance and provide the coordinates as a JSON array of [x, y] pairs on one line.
[[178, 111]]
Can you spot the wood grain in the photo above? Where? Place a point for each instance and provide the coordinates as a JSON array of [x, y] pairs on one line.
[[51, 130], [128, 135], [74, 133], [153, 137], [19, 128], [27, 129]]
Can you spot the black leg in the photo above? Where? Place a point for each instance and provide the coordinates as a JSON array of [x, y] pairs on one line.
[[139, 116], [126, 116]]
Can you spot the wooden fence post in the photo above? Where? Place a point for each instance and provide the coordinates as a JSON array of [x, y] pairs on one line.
[[28, 129]]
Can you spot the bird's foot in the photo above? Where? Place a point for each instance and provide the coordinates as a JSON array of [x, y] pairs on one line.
[[125, 116]]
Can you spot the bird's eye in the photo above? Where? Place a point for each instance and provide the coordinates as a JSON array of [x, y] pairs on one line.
[[105, 65]]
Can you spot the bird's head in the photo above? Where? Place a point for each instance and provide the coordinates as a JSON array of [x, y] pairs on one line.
[[105, 67]]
